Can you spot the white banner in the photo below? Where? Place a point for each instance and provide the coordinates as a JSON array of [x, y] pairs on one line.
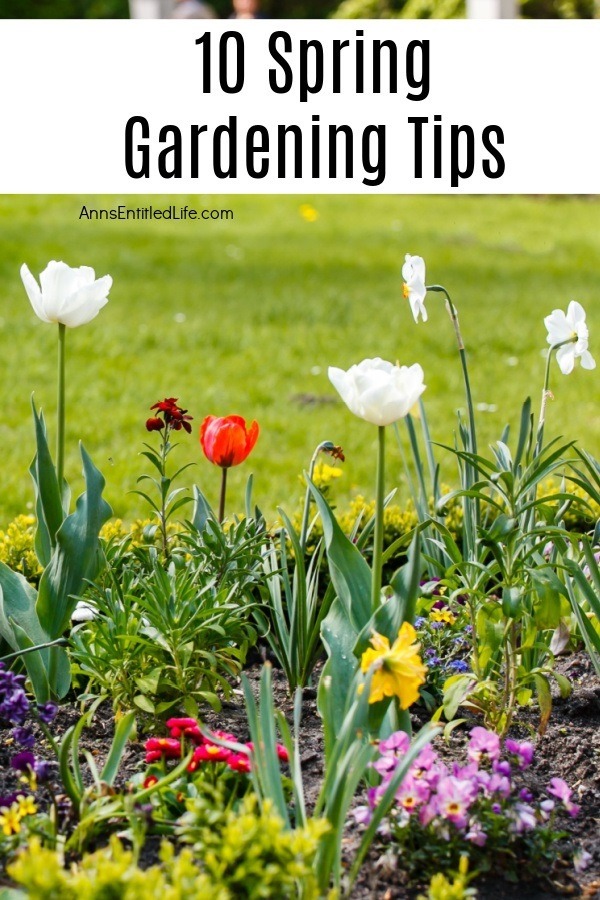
[[299, 106]]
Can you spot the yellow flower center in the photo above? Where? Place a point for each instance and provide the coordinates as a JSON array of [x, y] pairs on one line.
[[405, 291]]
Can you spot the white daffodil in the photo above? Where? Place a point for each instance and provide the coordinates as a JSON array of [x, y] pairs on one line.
[[571, 327], [413, 273], [378, 391], [68, 296]]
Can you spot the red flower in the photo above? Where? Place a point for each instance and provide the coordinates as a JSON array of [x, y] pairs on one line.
[[188, 727], [226, 440], [150, 781], [282, 753], [174, 417], [208, 753], [159, 747], [239, 762]]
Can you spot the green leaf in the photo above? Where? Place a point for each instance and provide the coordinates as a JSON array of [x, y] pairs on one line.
[[144, 703], [349, 571], [21, 628], [75, 557], [512, 602], [525, 431], [544, 696], [34, 663], [564, 685], [50, 506], [456, 689], [339, 637], [202, 512], [122, 732]]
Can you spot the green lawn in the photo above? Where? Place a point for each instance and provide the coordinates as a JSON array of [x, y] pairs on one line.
[[245, 316]]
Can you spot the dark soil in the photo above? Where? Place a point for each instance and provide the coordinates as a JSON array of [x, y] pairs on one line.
[[570, 749]]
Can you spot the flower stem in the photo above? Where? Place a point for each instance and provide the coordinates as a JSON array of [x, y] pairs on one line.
[[60, 443], [453, 313], [546, 394], [164, 452], [222, 496], [308, 496], [378, 534]]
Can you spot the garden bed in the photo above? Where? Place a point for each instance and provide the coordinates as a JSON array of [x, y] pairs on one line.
[[570, 749]]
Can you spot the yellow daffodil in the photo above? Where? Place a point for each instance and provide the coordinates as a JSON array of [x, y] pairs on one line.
[[397, 670]]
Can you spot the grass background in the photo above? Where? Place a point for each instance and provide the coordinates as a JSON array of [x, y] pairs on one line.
[[246, 315]]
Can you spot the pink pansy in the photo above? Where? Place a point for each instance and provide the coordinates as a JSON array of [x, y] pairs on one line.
[[412, 793], [523, 817], [397, 743], [483, 742], [454, 796], [362, 815], [523, 751], [560, 789], [476, 834]]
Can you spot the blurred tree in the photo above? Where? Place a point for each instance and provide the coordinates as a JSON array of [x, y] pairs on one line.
[[447, 9], [64, 9], [119, 9]]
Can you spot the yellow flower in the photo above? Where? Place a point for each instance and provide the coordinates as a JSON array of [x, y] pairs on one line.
[[10, 820], [442, 615], [308, 212], [27, 806], [397, 670]]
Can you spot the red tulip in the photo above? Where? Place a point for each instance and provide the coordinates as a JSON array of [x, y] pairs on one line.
[[226, 440]]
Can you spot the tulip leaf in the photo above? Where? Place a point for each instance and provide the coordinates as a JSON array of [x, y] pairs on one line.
[[339, 638], [48, 668], [75, 557], [202, 510], [48, 500], [17, 605], [350, 573]]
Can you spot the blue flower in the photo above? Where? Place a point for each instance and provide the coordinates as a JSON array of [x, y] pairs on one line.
[[459, 665]]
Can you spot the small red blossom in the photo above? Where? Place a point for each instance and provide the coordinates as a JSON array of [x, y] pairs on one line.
[[150, 781], [159, 747], [282, 753], [208, 753], [185, 727], [239, 762], [227, 441], [173, 415]]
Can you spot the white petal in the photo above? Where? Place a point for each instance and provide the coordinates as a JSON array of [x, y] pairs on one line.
[[587, 360], [414, 267], [33, 292], [558, 327], [58, 281], [86, 303], [565, 357], [575, 313]]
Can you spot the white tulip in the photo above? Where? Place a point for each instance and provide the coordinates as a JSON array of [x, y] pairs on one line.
[[569, 326], [68, 296], [413, 272], [378, 391]]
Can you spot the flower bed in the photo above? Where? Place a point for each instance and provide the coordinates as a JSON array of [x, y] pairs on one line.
[[151, 630]]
